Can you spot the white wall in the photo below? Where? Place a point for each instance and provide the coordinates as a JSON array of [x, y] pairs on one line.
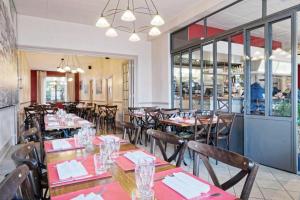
[[42, 33]]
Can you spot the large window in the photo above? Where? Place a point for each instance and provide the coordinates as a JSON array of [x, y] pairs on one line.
[[55, 89], [196, 79], [176, 81], [208, 73]]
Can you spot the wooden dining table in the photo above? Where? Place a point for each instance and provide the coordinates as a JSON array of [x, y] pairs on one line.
[[126, 179], [184, 123]]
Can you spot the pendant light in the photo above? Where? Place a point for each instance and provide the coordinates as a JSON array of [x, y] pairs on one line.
[[102, 22], [157, 20], [134, 37], [111, 32], [154, 31], [128, 16]]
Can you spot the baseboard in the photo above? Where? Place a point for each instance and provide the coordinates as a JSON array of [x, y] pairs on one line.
[[5, 149]]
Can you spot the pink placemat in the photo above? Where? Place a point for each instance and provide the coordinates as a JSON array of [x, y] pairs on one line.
[[88, 163], [164, 192], [98, 141], [128, 165], [49, 148], [111, 191]]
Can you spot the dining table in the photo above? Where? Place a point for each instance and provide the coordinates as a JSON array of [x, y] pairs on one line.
[[184, 122], [118, 182]]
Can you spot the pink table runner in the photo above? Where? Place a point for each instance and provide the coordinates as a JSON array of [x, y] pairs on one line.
[[49, 148], [164, 192], [88, 163], [111, 191], [128, 165]]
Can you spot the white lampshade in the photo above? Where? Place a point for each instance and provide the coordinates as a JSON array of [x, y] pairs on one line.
[[80, 70], [128, 16], [111, 32], [74, 71], [67, 68], [157, 20], [70, 79], [154, 31], [134, 37], [102, 22]]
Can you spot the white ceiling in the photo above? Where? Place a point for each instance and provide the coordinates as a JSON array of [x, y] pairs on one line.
[[88, 11]]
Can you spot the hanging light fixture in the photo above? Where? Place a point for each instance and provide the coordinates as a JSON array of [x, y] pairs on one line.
[[154, 31], [72, 65], [130, 14], [134, 37]]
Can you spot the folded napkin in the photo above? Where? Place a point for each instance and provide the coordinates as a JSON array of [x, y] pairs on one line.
[[90, 196], [53, 124], [60, 144], [83, 122], [70, 169], [52, 119], [109, 137], [176, 118], [136, 156], [186, 185]]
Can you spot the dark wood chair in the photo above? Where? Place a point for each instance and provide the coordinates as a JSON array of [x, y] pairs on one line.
[[28, 155], [223, 128], [17, 185], [29, 115], [132, 116], [248, 167], [110, 117], [151, 121], [202, 128], [160, 137], [132, 131], [101, 116]]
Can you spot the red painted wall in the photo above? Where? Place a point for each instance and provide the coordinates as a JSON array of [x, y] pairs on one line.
[[33, 83], [55, 74], [196, 31], [77, 87]]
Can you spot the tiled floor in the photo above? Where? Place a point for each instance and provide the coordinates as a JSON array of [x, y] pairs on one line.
[[270, 183]]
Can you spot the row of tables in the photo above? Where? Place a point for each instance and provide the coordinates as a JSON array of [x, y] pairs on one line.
[[119, 182]]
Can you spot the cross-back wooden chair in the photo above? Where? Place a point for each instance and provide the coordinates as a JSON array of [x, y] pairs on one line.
[[160, 137], [28, 155], [29, 115], [101, 116], [110, 117], [132, 117], [132, 131], [224, 128], [247, 167], [151, 121], [17, 185], [202, 128]]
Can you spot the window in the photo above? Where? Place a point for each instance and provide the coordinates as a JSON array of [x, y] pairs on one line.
[[281, 69], [180, 38], [55, 89], [208, 72], [196, 80], [176, 81], [185, 80]]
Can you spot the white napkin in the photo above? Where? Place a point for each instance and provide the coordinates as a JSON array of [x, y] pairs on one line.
[[109, 137], [90, 196], [53, 124], [186, 185], [177, 119], [52, 119], [60, 144], [83, 122], [190, 121], [135, 156], [70, 169]]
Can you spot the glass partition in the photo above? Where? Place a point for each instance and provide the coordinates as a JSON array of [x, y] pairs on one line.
[[257, 71], [281, 69], [185, 80], [237, 73], [222, 76], [196, 80], [208, 72], [176, 81]]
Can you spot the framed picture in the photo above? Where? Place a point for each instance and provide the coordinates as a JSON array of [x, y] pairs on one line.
[[99, 86], [85, 88]]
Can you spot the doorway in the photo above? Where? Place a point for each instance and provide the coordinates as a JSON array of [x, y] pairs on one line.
[[91, 91], [109, 90]]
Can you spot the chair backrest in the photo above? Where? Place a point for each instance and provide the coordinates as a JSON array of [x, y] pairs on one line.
[[17, 185], [168, 113], [28, 155], [203, 125], [160, 137], [111, 112], [152, 117], [247, 167], [132, 131], [39, 134], [131, 112], [102, 110], [225, 123]]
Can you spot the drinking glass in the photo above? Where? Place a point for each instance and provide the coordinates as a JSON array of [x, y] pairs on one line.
[[144, 175], [108, 147], [116, 149], [100, 162]]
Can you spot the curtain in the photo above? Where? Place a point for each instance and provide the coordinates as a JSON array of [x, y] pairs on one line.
[[41, 77], [70, 87]]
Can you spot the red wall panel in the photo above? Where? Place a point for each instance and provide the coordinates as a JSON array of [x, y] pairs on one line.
[[77, 87], [33, 86]]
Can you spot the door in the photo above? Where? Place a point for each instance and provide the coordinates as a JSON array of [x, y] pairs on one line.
[[91, 91], [109, 90], [270, 134]]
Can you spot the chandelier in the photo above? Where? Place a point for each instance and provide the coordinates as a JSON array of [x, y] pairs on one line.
[[70, 65], [116, 18]]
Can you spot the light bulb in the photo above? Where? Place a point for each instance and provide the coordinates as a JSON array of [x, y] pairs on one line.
[[67, 68], [70, 79], [80, 70], [111, 32], [157, 20], [154, 31], [134, 37], [102, 22], [128, 16]]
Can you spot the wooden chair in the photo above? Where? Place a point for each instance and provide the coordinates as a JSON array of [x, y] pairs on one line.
[[17, 185], [224, 128], [248, 167], [28, 155], [101, 116], [132, 131], [110, 117], [29, 115], [131, 113], [202, 128], [159, 137], [150, 122]]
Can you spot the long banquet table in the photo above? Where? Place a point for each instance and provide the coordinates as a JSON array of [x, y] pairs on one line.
[[125, 179]]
